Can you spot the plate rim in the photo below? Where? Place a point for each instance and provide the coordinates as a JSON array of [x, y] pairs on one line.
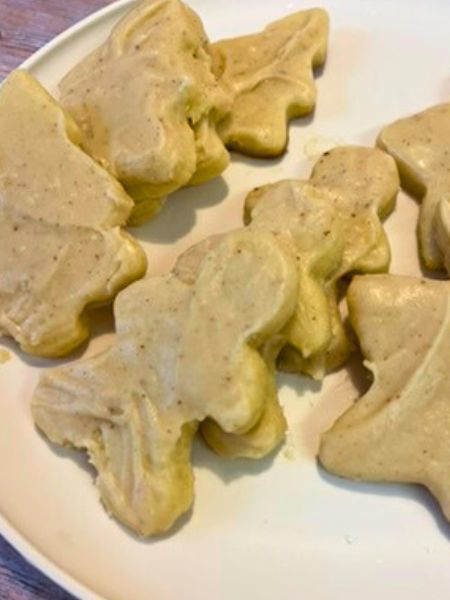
[[39, 560], [11, 534], [33, 60]]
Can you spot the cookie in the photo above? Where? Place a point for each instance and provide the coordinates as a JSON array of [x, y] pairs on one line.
[[147, 104], [419, 145], [62, 247], [333, 225], [183, 353], [269, 76], [398, 431]]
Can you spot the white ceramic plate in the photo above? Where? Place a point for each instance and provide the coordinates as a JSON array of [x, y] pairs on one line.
[[278, 528]]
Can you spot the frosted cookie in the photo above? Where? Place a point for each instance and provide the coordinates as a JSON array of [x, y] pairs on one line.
[[269, 431], [335, 352], [269, 75], [368, 182], [333, 224], [184, 353], [61, 243], [398, 431], [147, 103], [303, 215], [419, 145]]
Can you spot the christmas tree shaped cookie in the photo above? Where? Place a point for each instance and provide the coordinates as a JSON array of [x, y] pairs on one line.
[[62, 247], [269, 76]]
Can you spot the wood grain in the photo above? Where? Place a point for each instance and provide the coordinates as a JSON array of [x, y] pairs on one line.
[[20, 581], [25, 26]]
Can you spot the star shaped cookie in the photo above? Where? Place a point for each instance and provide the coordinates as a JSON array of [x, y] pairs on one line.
[[399, 430]]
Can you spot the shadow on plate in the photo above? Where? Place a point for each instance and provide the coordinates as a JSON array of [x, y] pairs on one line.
[[255, 162], [202, 458], [225, 469], [77, 456], [179, 214], [301, 384], [359, 375], [417, 493]]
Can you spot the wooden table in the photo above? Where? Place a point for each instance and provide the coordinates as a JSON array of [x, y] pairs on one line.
[[25, 26]]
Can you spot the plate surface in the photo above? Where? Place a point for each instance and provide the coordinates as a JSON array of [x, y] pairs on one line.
[[279, 528]]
